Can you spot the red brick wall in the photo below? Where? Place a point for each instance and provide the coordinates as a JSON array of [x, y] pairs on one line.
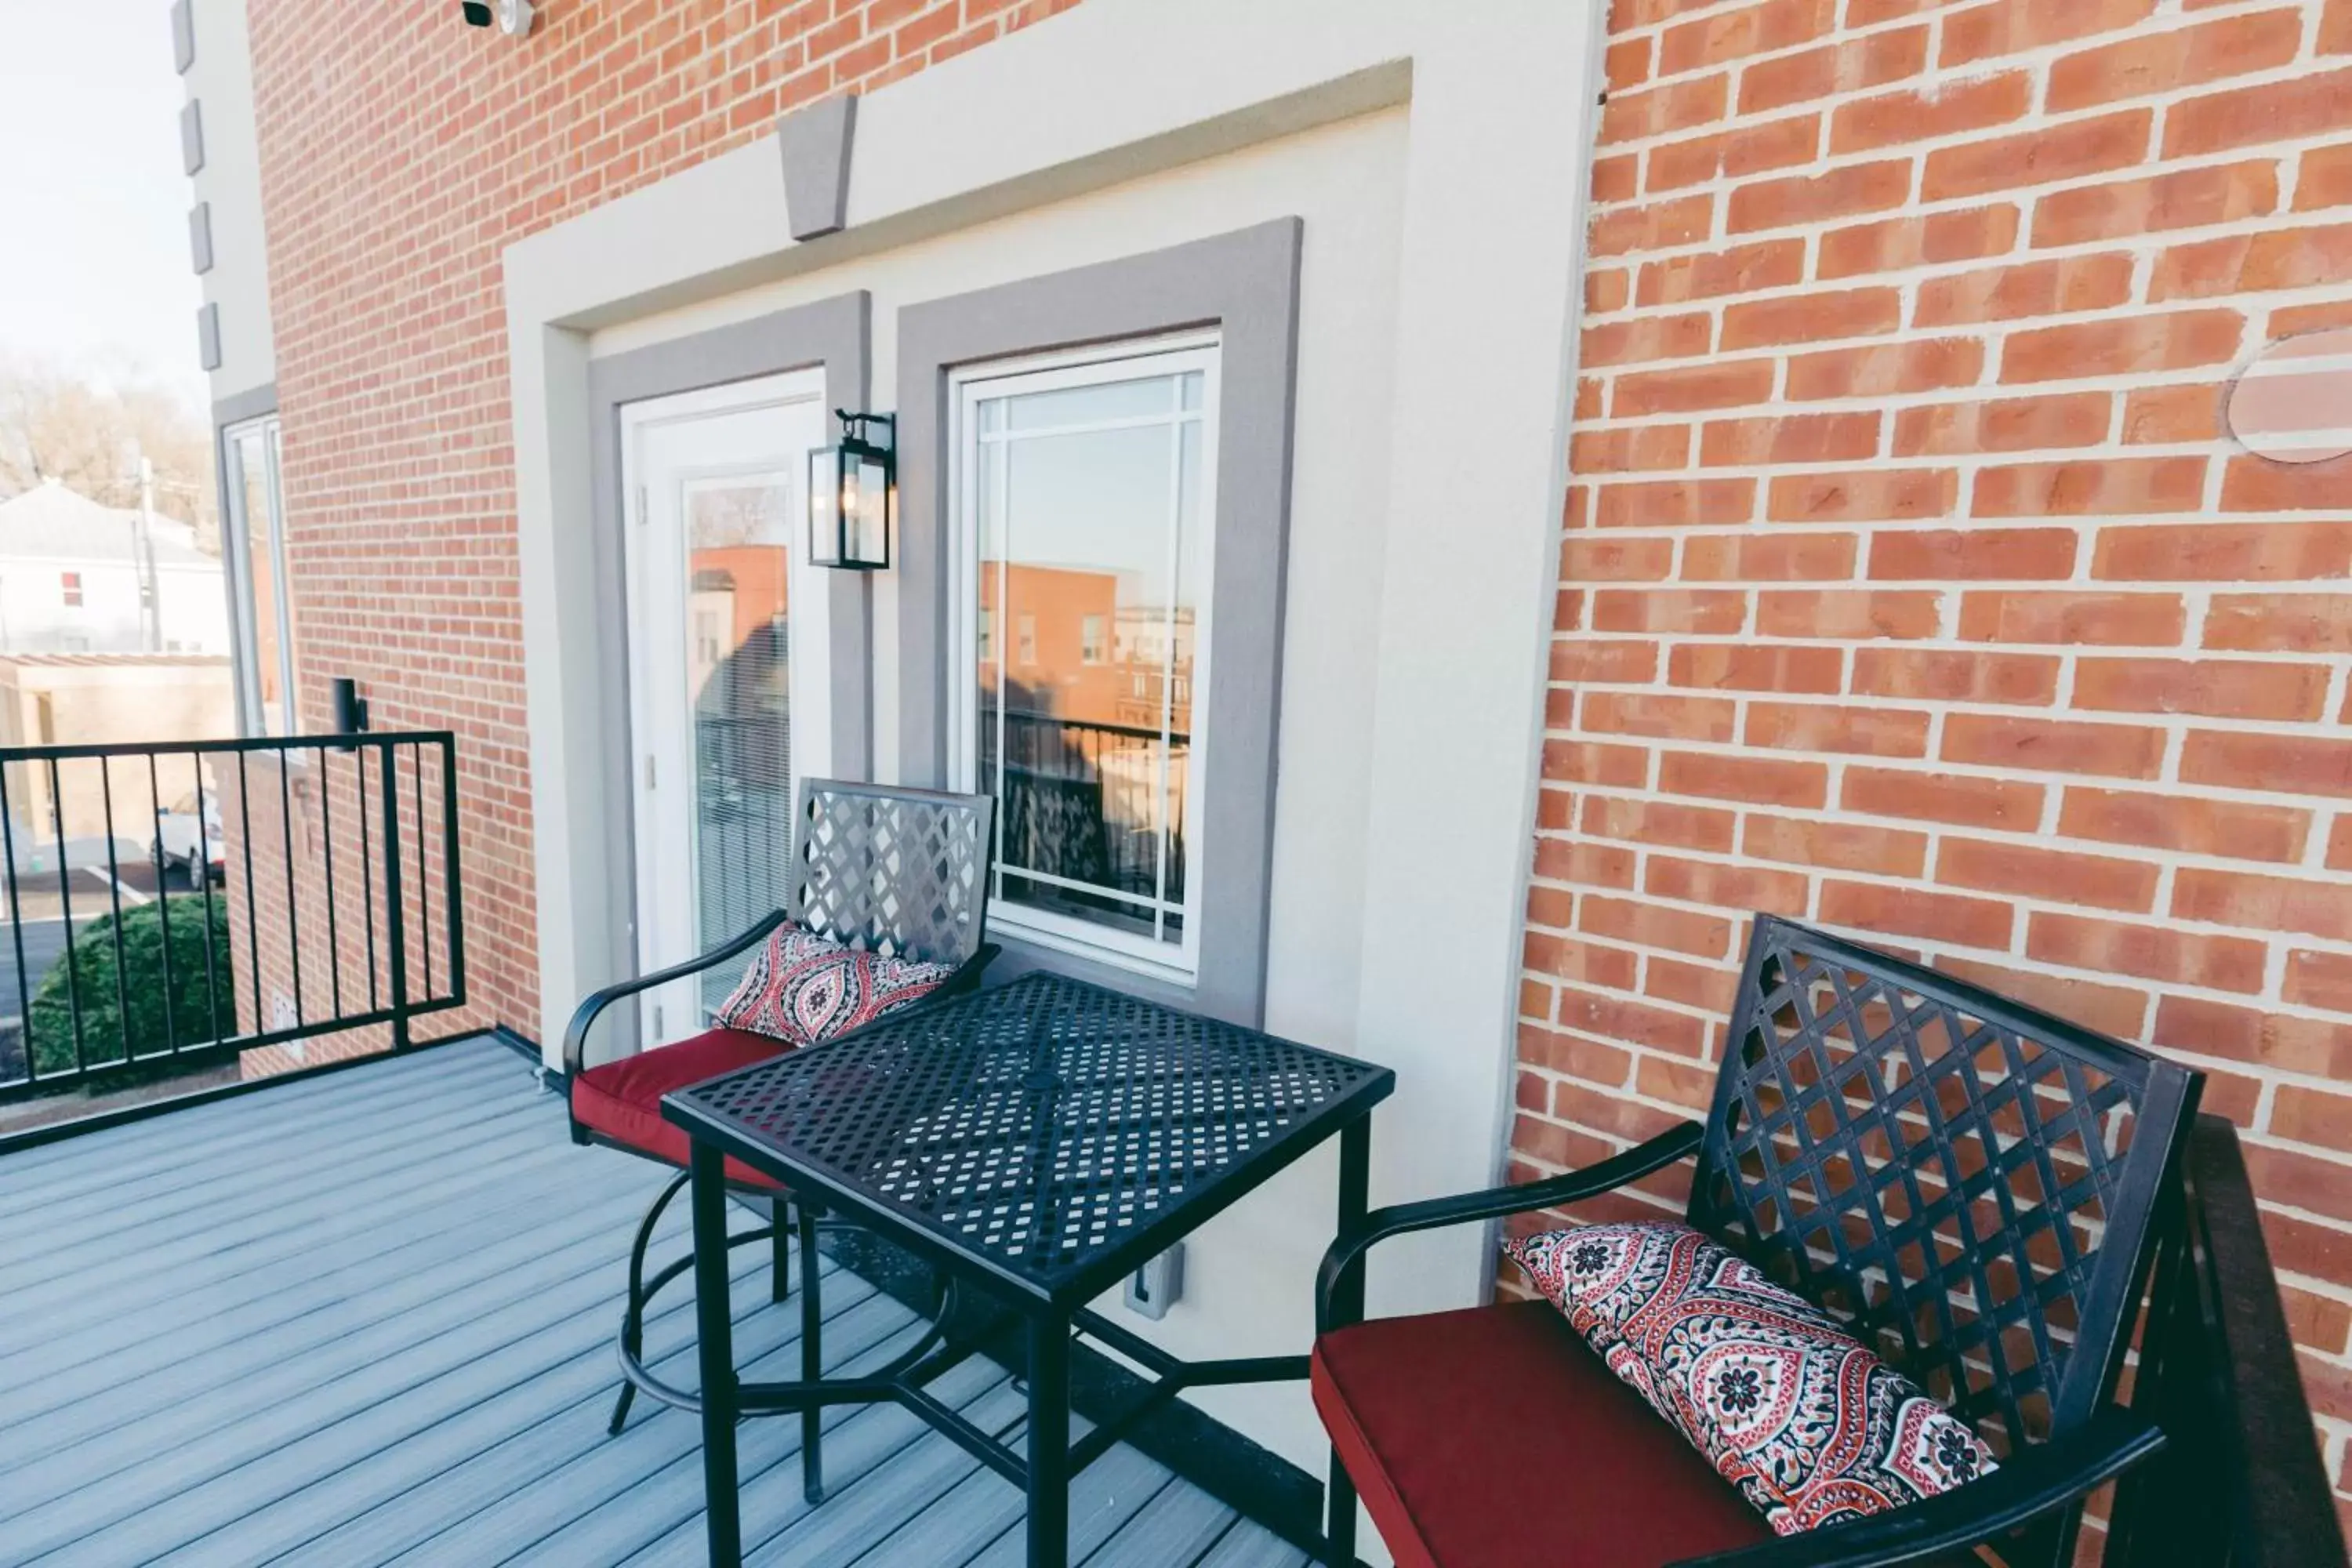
[[400, 153], [1910, 585]]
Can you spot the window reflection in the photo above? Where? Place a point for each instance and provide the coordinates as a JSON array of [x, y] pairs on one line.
[[737, 663]]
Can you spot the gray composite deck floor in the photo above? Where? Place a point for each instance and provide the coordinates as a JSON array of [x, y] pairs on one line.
[[367, 1318]]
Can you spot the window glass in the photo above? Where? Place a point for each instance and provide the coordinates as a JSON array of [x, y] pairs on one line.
[[262, 641], [1082, 507]]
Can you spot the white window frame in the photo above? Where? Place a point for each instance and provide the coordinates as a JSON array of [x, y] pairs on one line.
[[1131, 359], [236, 544]]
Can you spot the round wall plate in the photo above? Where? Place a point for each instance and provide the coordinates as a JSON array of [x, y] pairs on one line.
[[2293, 403]]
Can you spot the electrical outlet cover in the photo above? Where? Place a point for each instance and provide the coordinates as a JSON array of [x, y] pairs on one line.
[[1158, 1285]]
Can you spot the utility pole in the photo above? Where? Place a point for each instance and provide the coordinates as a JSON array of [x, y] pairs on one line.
[[150, 605]]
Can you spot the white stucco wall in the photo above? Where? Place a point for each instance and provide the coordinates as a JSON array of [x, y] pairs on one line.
[[1440, 180], [1346, 183], [221, 79]]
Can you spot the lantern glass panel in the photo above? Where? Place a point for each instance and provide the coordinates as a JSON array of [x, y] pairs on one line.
[[865, 510], [823, 502]]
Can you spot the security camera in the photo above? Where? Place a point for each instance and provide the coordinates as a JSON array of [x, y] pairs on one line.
[[513, 17]]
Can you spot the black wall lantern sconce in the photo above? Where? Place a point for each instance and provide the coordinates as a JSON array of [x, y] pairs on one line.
[[853, 494]]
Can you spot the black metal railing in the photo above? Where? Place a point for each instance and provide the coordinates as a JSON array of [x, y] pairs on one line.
[[1081, 801], [170, 905]]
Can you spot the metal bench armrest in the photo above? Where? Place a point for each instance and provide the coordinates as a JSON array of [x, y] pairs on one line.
[[1678, 1142], [2042, 1480], [575, 1033], [966, 978]]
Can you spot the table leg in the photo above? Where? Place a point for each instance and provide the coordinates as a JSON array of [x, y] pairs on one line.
[[779, 1251], [715, 1341], [811, 1359], [1348, 1307], [1049, 1440]]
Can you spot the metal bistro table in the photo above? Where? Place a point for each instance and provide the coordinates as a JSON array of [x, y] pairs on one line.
[[1039, 1140]]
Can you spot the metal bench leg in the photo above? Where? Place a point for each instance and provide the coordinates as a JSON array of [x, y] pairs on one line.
[[633, 1315], [1339, 1525], [779, 1251], [811, 1358]]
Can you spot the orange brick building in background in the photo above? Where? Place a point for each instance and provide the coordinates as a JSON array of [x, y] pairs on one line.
[[1912, 584], [1909, 581]]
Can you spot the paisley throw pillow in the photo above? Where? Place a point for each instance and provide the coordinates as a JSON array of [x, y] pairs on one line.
[[804, 989], [1790, 1408]]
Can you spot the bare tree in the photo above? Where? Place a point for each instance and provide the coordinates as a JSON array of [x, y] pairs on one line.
[[90, 432]]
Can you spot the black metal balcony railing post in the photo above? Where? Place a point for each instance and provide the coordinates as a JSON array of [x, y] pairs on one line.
[[164, 912], [452, 883], [187, 989], [395, 902], [16, 914]]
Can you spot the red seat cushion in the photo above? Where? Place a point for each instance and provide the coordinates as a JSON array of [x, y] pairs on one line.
[[621, 1101], [1493, 1438]]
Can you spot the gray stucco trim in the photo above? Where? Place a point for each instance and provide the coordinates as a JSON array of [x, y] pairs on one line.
[[251, 403], [1246, 284], [208, 335], [200, 237], [816, 143], [184, 36], [228, 412], [192, 136], [833, 334]]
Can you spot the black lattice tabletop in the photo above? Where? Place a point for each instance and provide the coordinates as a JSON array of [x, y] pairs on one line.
[[1055, 1132]]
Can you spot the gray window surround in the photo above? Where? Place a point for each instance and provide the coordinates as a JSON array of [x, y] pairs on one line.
[[200, 236], [832, 334], [184, 36], [1246, 284], [192, 136], [208, 336]]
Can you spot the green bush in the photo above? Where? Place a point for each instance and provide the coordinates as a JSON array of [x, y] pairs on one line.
[[105, 1030]]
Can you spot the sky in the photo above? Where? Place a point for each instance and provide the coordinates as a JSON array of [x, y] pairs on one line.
[[93, 203]]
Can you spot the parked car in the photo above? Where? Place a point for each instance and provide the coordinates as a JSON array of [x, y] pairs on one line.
[[180, 842]]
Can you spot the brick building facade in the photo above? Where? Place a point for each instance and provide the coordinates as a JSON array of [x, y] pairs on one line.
[[1911, 582]]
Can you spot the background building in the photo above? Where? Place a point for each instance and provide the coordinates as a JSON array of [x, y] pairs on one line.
[[78, 577]]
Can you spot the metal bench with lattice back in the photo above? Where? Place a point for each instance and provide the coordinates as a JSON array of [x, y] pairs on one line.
[[901, 872], [1977, 1189]]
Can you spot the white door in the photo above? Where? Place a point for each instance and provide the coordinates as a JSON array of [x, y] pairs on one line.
[[726, 650]]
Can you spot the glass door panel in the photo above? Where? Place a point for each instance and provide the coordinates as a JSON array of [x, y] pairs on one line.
[[738, 690]]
